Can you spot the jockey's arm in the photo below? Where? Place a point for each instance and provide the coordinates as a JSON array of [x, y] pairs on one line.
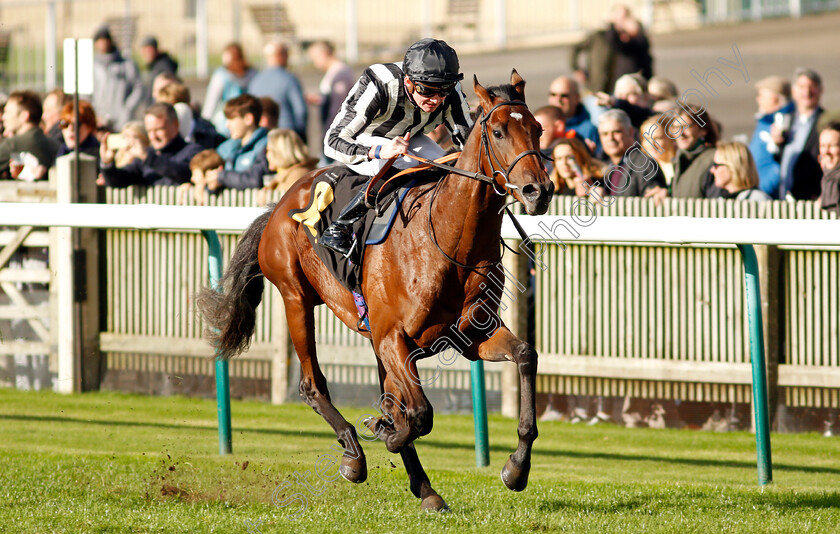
[[344, 141]]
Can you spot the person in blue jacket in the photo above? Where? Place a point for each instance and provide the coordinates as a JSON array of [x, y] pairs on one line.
[[774, 104], [244, 152]]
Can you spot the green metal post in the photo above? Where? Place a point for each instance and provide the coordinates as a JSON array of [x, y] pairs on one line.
[[482, 442], [759, 374], [214, 261]]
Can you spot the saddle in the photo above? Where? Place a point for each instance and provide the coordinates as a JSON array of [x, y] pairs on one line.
[[331, 191]]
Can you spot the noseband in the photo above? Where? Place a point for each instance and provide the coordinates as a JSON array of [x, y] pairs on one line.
[[496, 166]]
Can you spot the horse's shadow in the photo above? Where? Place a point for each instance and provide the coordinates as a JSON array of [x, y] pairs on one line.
[[545, 451]]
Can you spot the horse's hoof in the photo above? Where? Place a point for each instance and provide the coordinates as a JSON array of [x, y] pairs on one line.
[[515, 476], [434, 503], [353, 469]]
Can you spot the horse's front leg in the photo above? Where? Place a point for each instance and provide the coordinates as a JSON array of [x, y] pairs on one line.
[[504, 346]]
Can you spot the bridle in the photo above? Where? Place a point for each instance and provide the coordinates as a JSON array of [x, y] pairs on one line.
[[496, 167], [491, 154]]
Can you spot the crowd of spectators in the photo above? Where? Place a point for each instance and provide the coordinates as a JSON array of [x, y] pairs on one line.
[[143, 128], [609, 125], [655, 144]]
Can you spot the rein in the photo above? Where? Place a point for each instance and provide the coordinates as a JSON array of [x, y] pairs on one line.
[[487, 147]]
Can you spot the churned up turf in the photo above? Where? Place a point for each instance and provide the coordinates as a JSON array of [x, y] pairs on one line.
[[107, 462]]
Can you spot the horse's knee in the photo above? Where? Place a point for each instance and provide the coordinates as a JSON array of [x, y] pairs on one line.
[[525, 357]]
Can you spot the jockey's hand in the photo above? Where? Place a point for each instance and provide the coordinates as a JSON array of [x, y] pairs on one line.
[[393, 148]]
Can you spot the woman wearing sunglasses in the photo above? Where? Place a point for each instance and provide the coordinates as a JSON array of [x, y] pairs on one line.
[[735, 173], [388, 112]]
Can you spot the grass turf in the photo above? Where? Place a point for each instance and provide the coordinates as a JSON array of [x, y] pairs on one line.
[[108, 462]]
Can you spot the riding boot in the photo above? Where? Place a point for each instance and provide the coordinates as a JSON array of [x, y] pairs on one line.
[[339, 234]]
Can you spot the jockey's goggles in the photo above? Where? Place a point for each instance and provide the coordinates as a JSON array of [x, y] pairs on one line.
[[431, 90]]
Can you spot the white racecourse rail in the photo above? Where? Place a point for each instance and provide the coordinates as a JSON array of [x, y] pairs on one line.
[[671, 230]]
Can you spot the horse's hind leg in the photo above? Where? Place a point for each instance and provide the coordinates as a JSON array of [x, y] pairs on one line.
[[313, 385], [503, 346]]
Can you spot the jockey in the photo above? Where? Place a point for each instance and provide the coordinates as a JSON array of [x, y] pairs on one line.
[[386, 115]]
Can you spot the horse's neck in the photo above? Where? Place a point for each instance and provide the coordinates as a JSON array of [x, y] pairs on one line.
[[472, 209]]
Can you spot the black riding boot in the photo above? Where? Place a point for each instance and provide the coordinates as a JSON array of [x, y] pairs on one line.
[[339, 234]]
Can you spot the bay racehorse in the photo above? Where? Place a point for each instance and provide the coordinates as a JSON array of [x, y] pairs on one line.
[[426, 287]]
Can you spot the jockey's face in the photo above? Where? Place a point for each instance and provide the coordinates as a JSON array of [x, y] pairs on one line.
[[426, 103]]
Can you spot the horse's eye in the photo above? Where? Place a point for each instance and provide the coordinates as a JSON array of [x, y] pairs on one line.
[[497, 134]]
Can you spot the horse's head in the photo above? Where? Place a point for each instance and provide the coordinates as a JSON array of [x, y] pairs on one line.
[[510, 144]]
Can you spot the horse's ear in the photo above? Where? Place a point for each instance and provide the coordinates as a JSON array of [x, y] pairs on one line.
[[518, 83], [480, 91]]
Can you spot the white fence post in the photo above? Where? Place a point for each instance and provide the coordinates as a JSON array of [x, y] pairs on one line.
[[61, 267]]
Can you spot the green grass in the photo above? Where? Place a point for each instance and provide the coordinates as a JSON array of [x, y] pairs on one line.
[[110, 462]]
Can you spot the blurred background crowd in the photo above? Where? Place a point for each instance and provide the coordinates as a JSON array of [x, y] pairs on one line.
[[613, 123]]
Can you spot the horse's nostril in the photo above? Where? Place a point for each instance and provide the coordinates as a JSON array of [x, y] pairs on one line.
[[530, 192]]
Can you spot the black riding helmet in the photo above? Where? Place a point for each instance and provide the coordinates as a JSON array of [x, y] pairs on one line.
[[432, 61]]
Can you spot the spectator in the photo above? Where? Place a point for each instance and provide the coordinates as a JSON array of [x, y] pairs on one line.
[[630, 96], [830, 163], [118, 89], [695, 152], [564, 93], [192, 126], [247, 139], [663, 94], [270, 113], [800, 170], [632, 172], [659, 146], [335, 85], [289, 160], [228, 81], [772, 98], [575, 170], [206, 160], [87, 130], [165, 162], [244, 152], [283, 87], [51, 116], [631, 45], [178, 96], [160, 81], [599, 67], [132, 134], [553, 123], [735, 173], [156, 61], [27, 153]]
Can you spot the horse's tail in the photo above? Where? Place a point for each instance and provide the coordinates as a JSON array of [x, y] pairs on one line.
[[230, 313]]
